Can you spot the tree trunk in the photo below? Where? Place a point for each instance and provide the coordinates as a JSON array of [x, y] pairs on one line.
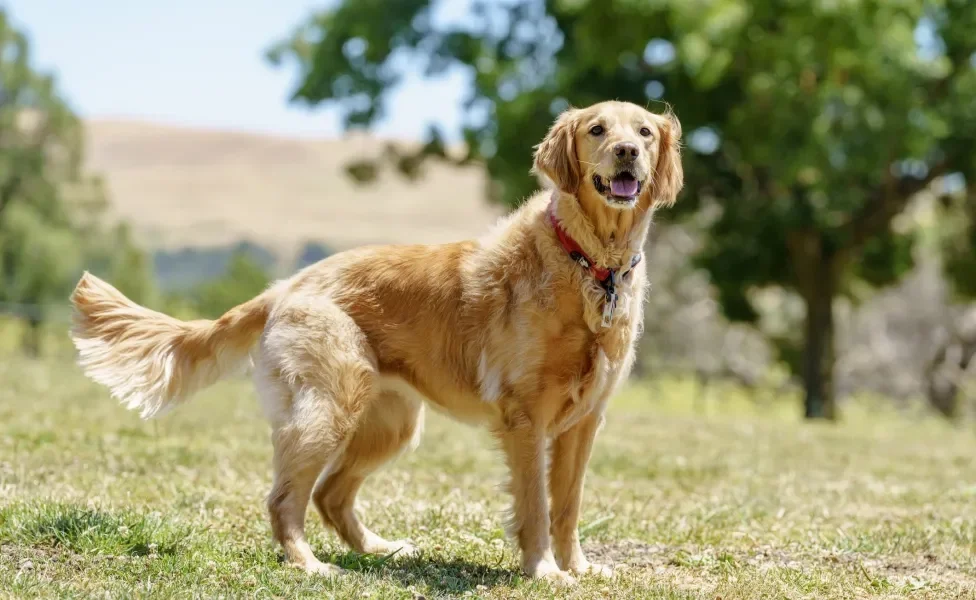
[[818, 349], [945, 373], [32, 337]]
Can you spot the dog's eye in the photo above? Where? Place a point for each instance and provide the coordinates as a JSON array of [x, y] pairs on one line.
[[644, 131], [596, 130]]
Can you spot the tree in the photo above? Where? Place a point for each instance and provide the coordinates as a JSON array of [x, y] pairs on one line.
[[956, 240], [811, 124], [945, 371], [243, 280], [50, 210]]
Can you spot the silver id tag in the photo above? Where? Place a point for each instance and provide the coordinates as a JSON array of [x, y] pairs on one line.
[[609, 304]]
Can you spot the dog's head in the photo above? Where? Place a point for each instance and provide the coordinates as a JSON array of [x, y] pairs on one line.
[[616, 150]]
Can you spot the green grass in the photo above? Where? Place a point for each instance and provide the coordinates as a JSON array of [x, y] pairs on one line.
[[744, 501]]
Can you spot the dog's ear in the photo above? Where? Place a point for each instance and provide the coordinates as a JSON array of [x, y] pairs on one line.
[[669, 176], [555, 156]]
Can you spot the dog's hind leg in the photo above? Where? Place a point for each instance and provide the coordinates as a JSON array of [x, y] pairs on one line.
[[316, 378], [393, 422], [298, 458]]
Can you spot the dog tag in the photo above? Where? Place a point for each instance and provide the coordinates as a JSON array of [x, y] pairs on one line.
[[608, 305], [610, 302]]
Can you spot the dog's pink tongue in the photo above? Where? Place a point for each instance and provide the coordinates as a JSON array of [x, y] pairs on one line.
[[624, 187]]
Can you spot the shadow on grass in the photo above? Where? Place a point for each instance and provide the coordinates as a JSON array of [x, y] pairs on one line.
[[454, 576]]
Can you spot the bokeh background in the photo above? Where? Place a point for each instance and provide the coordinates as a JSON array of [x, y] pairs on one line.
[[823, 251]]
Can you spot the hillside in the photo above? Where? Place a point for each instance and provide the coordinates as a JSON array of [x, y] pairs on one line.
[[184, 188]]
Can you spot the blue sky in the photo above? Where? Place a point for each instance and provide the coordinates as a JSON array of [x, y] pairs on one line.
[[201, 63]]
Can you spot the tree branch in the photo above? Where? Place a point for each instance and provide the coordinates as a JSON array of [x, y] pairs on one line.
[[887, 202], [9, 190]]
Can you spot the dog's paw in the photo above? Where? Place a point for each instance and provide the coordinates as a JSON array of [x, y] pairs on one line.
[[595, 569], [549, 571], [401, 548], [560, 578], [397, 549], [320, 568]]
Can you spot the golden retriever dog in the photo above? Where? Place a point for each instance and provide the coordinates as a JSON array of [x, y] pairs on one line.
[[526, 332]]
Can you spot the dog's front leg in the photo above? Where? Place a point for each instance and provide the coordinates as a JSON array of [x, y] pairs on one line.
[[570, 455], [524, 444]]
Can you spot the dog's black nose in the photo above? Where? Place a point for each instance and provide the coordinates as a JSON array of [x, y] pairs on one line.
[[626, 150]]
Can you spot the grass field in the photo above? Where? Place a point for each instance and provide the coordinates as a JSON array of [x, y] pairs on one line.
[[742, 502]]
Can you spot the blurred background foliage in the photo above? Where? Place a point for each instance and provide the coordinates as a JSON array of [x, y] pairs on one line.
[[50, 209]]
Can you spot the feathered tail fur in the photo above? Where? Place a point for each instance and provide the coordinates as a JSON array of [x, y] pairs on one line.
[[151, 361]]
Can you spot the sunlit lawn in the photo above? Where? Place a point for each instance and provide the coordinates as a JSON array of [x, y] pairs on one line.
[[744, 501]]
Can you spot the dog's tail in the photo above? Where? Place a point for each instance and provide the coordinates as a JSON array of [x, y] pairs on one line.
[[150, 361]]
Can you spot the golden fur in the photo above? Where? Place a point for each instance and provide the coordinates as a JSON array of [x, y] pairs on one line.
[[503, 332]]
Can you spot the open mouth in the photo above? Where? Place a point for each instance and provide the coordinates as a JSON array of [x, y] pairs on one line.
[[622, 187]]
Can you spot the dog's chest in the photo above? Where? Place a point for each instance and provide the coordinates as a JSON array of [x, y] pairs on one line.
[[589, 390], [604, 365]]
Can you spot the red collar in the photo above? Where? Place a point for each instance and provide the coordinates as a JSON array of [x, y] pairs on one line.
[[604, 275]]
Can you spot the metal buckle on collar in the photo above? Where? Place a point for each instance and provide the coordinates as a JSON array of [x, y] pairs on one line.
[[580, 259]]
